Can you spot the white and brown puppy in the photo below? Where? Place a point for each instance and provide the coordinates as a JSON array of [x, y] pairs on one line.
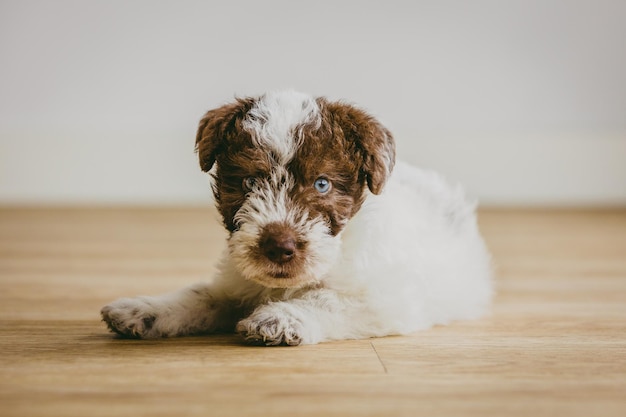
[[325, 241]]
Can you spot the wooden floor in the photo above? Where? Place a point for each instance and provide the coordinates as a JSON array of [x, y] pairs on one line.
[[554, 345]]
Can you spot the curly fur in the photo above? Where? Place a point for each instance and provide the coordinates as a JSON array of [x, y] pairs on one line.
[[386, 249]]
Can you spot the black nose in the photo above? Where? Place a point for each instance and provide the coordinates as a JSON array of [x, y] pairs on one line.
[[278, 246]]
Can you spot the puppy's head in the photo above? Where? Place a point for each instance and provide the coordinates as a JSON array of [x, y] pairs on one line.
[[289, 171]]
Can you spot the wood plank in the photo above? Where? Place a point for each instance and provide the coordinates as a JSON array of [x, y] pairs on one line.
[[554, 344]]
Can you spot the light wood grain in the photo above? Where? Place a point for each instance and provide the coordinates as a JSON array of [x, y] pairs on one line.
[[555, 343]]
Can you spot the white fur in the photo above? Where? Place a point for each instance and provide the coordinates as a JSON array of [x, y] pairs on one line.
[[412, 257], [418, 255], [267, 203], [275, 119]]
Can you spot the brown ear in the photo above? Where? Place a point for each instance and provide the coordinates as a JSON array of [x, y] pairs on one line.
[[215, 127], [374, 142]]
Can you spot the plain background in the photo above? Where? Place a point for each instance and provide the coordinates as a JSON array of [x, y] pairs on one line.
[[524, 101]]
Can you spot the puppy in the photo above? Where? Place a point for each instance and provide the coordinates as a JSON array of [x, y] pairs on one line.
[[327, 239]]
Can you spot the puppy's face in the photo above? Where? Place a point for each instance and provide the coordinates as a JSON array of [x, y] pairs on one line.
[[290, 171]]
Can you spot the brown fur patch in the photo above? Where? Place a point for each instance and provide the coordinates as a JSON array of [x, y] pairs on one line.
[[217, 128], [373, 143], [350, 149]]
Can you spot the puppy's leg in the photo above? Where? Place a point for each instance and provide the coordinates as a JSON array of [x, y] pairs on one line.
[[316, 316], [196, 309]]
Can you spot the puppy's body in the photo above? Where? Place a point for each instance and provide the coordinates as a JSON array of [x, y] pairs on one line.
[[327, 240]]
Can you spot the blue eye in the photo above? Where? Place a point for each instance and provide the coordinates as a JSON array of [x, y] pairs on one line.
[[322, 185], [248, 183]]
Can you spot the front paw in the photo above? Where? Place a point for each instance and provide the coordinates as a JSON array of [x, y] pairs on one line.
[[271, 327], [130, 317]]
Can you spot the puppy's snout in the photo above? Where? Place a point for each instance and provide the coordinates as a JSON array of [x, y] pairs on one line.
[[278, 244], [279, 249]]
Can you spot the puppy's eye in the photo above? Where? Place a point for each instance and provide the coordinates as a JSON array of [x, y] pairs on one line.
[[322, 185], [248, 183]]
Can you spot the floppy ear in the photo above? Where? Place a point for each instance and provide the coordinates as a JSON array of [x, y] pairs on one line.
[[373, 141], [215, 127]]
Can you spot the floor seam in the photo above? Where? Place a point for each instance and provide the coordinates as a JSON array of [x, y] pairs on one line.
[[379, 358]]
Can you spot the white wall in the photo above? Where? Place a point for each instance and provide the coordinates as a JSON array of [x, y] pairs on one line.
[[523, 101]]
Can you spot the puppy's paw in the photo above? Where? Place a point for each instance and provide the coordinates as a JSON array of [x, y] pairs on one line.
[[130, 317], [271, 327]]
